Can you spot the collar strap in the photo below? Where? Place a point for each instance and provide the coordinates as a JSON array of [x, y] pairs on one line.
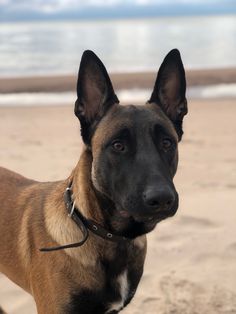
[[84, 225]]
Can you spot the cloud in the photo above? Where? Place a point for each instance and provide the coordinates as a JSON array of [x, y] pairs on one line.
[[4, 2]]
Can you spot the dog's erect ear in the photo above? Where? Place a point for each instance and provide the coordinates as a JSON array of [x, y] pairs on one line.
[[169, 90], [95, 94]]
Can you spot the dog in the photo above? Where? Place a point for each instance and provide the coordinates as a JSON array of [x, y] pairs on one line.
[[79, 245]]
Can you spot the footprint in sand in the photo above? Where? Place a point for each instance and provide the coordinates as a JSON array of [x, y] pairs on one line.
[[231, 186], [31, 142], [201, 222], [231, 249], [185, 297]]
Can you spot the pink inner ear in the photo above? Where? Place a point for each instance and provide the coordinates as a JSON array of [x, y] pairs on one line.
[[171, 90], [170, 94], [94, 90]]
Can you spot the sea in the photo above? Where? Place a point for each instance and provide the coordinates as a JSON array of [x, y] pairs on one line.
[[37, 48], [129, 45]]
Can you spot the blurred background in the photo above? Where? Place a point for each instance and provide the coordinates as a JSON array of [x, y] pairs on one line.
[[190, 267]]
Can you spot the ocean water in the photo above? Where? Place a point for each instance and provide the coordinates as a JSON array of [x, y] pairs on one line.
[[36, 48], [128, 96]]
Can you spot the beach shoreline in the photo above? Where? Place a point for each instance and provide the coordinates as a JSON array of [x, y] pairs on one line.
[[142, 80]]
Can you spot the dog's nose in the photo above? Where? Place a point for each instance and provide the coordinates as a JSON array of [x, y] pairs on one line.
[[159, 199]]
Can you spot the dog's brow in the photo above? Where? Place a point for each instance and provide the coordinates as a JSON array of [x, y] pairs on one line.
[[161, 128], [121, 132]]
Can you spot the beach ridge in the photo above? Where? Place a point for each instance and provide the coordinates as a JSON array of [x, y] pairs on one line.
[[63, 83]]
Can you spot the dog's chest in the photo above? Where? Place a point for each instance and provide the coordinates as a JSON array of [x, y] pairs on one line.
[[116, 293], [122, 292], [114, 281]]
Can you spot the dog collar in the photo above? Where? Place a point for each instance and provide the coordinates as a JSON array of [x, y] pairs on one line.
[[84, 225]]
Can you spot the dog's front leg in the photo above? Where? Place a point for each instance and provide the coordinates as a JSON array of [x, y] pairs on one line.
[[48, 304], [1, 311], [51, 292]]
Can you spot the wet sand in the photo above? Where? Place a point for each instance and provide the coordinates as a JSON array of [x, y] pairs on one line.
[[120, 81]]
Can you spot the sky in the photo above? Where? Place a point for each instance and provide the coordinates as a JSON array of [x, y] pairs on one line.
[[31, 9]]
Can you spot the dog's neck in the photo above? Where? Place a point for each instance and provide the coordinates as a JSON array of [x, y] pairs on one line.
[[83, 191], [91, 207]]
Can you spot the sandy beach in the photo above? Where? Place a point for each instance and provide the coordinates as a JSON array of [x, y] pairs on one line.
[[190, 266]]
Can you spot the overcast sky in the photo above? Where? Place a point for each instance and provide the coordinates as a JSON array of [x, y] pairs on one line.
[[47, 5], [49, 8]]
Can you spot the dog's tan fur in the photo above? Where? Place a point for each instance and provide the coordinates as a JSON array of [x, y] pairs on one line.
[[33, 216]]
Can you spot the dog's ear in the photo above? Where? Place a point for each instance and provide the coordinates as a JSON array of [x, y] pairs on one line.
[[95, 94], [169, 90]]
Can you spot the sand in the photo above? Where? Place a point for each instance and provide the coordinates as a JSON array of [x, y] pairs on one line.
[[191, 261]]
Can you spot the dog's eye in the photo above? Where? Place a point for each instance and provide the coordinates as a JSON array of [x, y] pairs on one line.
[[118, 146], [166, 144]]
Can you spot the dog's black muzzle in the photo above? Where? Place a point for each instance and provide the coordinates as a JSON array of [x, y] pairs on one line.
[[157, 203]]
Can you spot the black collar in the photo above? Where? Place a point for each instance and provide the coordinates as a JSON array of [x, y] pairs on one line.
[[84, 225]]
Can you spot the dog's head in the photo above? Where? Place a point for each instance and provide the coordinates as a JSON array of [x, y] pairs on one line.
[[134, 148]]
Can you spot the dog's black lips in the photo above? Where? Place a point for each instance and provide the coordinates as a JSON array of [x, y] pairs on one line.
[[131, 225]]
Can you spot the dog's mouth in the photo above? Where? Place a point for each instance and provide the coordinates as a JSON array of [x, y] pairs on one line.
[[137, 211], [133, 222], [124, 213], [132, 225], [155, 217]]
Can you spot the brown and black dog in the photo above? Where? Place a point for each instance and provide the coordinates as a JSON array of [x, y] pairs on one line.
[[120, 189]]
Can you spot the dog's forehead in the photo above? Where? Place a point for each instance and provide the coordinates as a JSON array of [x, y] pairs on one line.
[[135, 117]]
